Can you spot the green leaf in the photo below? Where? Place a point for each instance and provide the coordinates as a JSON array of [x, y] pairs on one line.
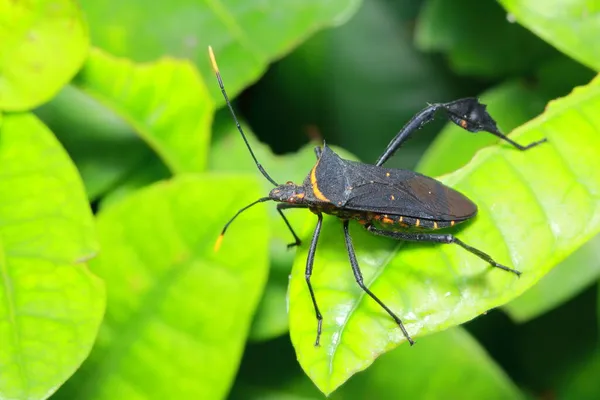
[[177, 312], [492, 46], [535, 208], [244, 36], [511, 104], [166, 102], [104, 147], [579, 271], [571, 26], [51, 305], [44, 43], [447, 362]]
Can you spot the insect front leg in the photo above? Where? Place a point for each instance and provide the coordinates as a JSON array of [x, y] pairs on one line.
[[439, 238], [308, 272], [359, 279], [285, 206]]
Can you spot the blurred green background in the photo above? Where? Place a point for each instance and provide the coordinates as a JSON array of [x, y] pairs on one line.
[[120, 165]]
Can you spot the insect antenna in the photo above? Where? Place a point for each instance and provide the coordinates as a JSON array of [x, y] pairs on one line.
[[220, 238], [239, 127]]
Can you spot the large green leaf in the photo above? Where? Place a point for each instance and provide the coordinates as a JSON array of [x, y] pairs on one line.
[[44, 43], [246, 36], [511, 104], [166, 102], [104, 147], [572, 26], [50, 304], [496, 47], [177, 312], [535, 208]]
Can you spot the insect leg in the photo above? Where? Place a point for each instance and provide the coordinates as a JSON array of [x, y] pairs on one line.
[[318, 152], [284, 206], [359, 280], [416, 122], [308, 272], [440, 238]]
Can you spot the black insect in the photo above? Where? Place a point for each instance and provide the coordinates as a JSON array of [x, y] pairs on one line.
[[385, 201]]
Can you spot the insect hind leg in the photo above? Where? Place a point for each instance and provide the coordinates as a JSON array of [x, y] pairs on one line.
[[439, 238], [359, 280]]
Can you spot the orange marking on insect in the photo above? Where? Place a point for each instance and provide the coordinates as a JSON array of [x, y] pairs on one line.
[[313, 180], [218, 243], [451, 223], [377, 217], [362, 221], [463, 123], [417, 222], [300, 195], [387, 220]]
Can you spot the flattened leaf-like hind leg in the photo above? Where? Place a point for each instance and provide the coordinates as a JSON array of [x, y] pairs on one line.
[[359, 280], [468, 113], [308, 273], [440, 238]]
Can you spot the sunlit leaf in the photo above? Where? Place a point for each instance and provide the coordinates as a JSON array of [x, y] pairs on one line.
[[44, 43], [246, 36], [166, 102], [177, 312], [51, 305], [511, 104], [572, 26], [535, 208]]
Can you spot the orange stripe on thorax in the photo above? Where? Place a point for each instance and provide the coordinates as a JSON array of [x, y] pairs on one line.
[[313, 180]]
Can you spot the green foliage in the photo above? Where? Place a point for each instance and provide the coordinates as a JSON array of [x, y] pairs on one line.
[[148, 336], [244, 34], [133, 302], [51, 305], [30, 33]]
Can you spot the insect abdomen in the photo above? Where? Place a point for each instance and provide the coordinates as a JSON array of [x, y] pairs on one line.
[[405, 222]]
